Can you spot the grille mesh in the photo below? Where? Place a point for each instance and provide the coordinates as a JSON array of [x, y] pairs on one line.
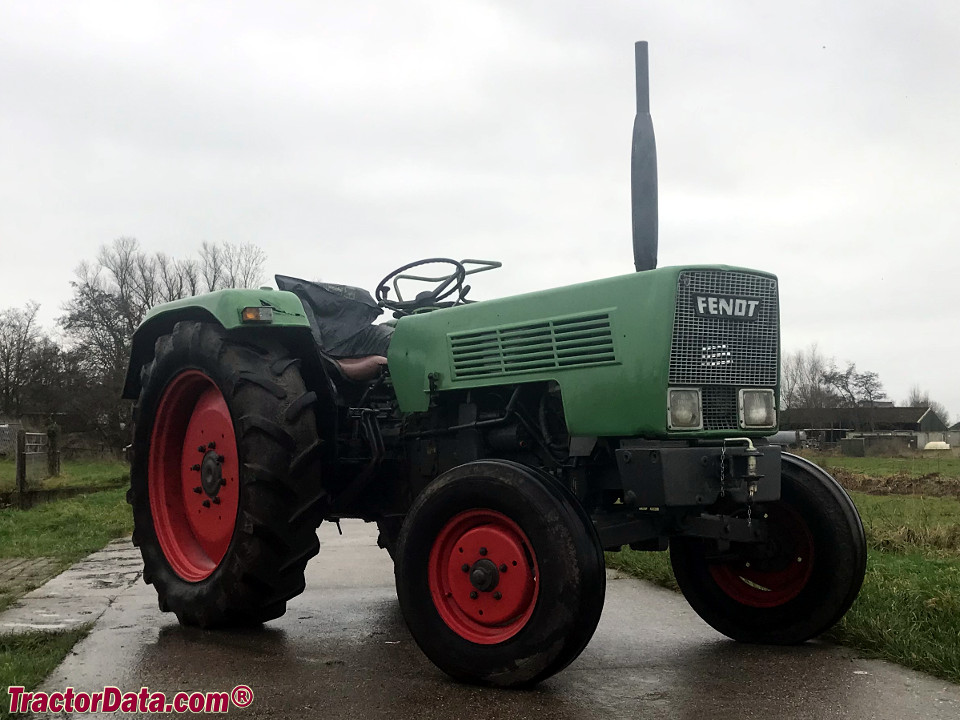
[[720, 355], [719, 407], [543, 345]]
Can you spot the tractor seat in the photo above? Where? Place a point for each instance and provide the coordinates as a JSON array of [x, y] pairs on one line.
[[341, 322], [362, 369]]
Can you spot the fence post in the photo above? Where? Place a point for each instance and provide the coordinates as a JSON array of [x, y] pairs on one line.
[[53, 450], [21, 459]]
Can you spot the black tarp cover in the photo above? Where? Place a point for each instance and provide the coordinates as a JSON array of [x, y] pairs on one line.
[[341, 317]]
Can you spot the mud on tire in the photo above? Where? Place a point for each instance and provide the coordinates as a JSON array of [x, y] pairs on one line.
[[211, 567]]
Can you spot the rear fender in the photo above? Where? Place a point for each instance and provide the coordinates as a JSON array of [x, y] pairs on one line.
[[223, 308]]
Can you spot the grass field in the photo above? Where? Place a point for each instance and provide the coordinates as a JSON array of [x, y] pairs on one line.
[[74, 473], [915, 467], [909, 608]]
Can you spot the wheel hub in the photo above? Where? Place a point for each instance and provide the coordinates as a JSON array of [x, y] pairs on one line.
[[484, 575], [211, 473]]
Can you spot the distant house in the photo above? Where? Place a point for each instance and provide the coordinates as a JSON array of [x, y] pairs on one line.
[[878, 427]]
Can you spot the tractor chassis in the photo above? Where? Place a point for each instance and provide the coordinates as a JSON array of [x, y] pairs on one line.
[[666, 489]]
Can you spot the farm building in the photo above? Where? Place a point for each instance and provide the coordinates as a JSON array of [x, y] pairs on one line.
[[869, 430]]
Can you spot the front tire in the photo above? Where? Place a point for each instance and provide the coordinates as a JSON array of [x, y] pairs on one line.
[[500, 574], [795, 586], [224, 516]]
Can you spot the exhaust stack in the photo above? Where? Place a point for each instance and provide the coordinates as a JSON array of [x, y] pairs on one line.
[[643, 171]]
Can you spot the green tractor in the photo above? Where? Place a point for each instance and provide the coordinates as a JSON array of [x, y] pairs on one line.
[[501, 447]]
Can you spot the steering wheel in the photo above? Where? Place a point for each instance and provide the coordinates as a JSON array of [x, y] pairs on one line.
[[446, 285]]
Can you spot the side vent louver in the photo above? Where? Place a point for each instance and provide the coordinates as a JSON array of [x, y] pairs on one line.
[[543, 345]]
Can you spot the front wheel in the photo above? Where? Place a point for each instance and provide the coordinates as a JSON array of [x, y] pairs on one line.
[[792, 587], [500, 574]]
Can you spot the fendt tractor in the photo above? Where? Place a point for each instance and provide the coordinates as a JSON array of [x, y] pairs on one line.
[[501, 446]]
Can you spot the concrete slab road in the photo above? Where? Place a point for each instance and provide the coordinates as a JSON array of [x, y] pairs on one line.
[[342, 651]]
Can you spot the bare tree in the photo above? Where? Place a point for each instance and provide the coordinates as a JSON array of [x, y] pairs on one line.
[[211, 265], [226, 265], [855, 389], [19, 335], [112, 295], [801, 380]]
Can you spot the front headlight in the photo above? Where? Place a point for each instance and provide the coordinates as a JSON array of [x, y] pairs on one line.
[[683, 409], [757, 409]]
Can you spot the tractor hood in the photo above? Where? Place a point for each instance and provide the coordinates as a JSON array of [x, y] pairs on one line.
[[613, 346]]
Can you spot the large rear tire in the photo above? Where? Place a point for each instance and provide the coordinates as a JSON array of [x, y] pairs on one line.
[[224, 516], [500, 574], [795, 586]]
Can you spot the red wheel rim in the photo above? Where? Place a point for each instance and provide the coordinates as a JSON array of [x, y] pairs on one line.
[[192, 475], [483, 576], [773, 581]]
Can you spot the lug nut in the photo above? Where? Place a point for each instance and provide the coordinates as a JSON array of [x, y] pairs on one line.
[[483, 551], [473, 595], [212, 445], [503, 568], [206, 503], [222, 482], [220, 459], [195, 467], [465, 567], [216, 501], [497, 595], [198, 490], [201, 448]]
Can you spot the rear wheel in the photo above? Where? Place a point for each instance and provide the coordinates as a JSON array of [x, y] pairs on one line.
[[500, 574], [224, 515], [792, 587]]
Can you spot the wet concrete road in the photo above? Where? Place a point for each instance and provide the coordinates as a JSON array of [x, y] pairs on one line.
[[342, 651]]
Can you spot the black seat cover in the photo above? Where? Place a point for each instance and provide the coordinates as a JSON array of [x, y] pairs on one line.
[[341, 317]]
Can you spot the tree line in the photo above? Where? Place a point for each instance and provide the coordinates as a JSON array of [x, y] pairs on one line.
[[810, 380], [79, 367]]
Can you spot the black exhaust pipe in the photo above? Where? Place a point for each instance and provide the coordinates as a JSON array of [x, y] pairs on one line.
[[643, 171]]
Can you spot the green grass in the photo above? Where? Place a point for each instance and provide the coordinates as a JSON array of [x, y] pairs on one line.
[[915, 466], [908, 610], [27, 659], [67, 530], [909, 524], [73, 473]]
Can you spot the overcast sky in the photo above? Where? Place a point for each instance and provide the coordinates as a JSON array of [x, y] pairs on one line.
[[817, 140]]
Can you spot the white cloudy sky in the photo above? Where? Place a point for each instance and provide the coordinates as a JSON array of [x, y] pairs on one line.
[[818, 140]]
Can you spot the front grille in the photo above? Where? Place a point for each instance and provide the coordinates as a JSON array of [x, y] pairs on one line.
[[722, 354], [547, 344], [720, 407]]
